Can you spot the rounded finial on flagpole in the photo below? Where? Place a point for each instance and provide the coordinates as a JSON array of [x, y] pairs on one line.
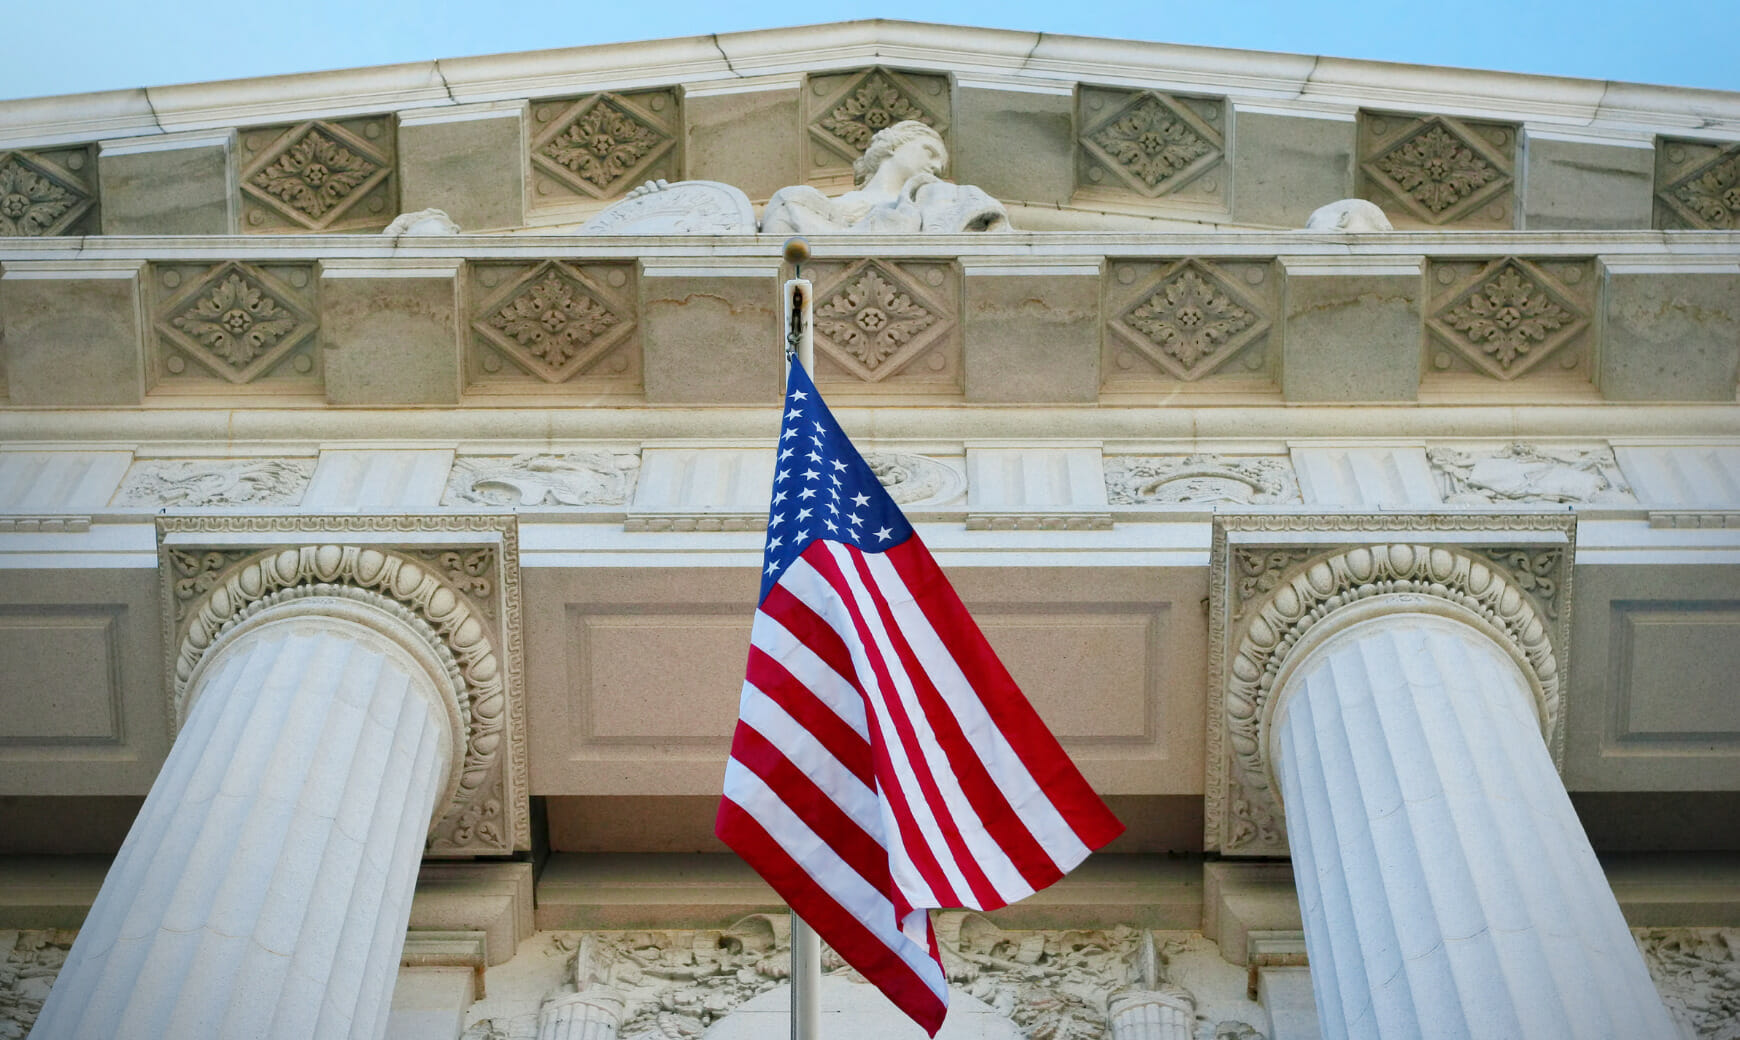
[[797, 250]]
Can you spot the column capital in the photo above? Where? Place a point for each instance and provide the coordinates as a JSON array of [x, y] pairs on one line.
[[1279, 584], [451, 600]]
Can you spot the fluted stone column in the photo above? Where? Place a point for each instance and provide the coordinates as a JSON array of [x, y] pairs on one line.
[[1447, 886], [265, 887]]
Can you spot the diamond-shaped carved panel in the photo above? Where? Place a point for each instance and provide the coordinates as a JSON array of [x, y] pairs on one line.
[[1151, 144], [887, 326], [1507, 317], [47, 192], [553, 326], [845, 110], [1435, 170], [598, 146], [234, 328], [1187, 321], [322, 175], [1697, 184]]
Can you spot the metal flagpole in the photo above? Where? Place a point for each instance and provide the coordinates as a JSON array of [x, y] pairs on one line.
[[806, 945]]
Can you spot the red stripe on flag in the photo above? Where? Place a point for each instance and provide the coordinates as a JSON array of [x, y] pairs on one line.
[[985, 894], [999, 818], [855, 943], [844, 835], [807, 710], [1008, 707], [890, 777], [811, 630]]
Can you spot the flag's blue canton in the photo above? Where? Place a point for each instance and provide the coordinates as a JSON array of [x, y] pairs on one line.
[[822, 487]]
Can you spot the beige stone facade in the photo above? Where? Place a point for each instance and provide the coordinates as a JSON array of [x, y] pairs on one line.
[[1134, 429]]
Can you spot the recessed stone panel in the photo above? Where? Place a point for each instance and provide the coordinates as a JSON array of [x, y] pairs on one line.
[[1651, 699], [233, 328], [635, 668], [170, 184], [1438, 171], [887, 326], [551, 326], [1577, 184], [74, 332], [1145, 144], [86, 712], [598, 146], [466, 162], [1191, 321], [717, 126], [1511, 318], [1674, 666], [319, 175], [1093, 675], [1695, 184], [48, 191], [1286, 164], [62, 680]]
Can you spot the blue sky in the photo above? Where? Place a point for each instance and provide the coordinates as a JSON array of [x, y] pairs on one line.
[[108, 44]]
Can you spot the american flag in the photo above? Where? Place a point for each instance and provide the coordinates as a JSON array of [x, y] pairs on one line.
[[884, 762]]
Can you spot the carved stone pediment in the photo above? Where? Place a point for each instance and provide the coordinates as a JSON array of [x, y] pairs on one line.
[[460, 591], [1272, 577]]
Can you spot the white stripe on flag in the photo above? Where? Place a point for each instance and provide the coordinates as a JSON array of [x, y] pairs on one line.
[[986, 853], [834, 690], [843, 884], [1010, 774], [813, 590], [764, 715]]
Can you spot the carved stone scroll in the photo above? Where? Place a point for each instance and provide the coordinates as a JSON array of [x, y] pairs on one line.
[[464, 596], [1267, 590]]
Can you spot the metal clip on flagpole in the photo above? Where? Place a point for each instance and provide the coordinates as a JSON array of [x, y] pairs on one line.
[[806, 946]]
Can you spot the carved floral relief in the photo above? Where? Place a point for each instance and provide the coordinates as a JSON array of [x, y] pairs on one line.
[[844, 110], [598, 146], [1525, 473], [1438, 170], [889, 323], [576, 478], [916, 480], [1151, 143], [46, 191], [1200, 478], [1508, 317], [552, 323], [321, 175], [189, 483], [234, 325], [1187, 320], [1697, 184]]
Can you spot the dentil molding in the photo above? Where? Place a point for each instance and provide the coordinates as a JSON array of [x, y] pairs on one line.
[[1274, 577], [450, 581]]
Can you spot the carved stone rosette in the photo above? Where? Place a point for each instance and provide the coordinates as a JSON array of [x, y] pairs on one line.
[[461, 595], [1271, 582]]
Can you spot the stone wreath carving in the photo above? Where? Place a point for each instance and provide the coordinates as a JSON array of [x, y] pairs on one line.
[[1303, 597], [479, 817], [916, 479]]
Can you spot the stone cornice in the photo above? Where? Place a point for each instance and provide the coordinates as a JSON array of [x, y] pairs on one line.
[[1177, 427], [1040, 248], [1275, 580], [459, 593], [983, 55]]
